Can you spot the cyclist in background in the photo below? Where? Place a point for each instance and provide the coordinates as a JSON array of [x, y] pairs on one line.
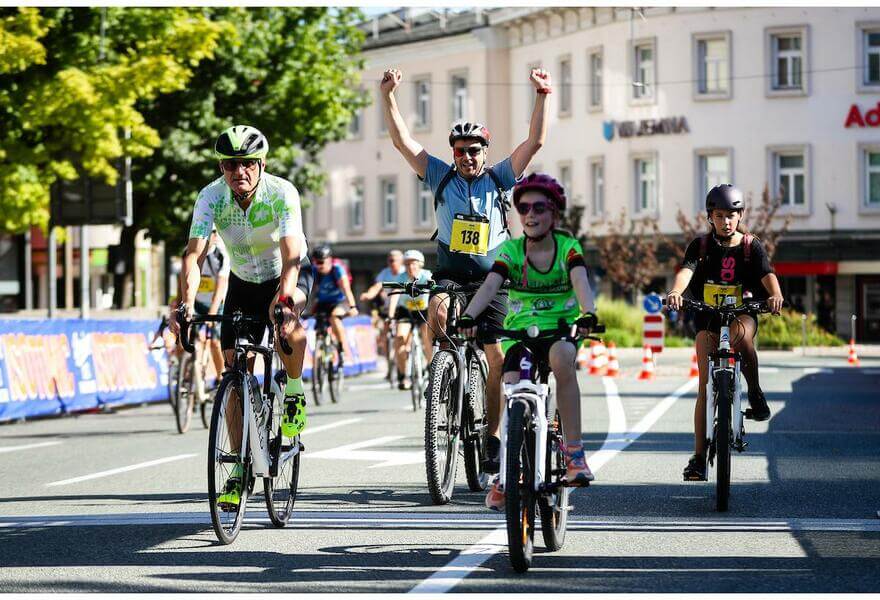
[[726, 261], [331, 293], [213, 285], [377, 296], [413, 311], [548, 282]]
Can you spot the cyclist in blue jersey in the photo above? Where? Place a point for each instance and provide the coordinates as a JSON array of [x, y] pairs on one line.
[[471, 204], [331, 293]]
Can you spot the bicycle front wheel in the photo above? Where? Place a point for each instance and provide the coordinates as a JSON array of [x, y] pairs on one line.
[[335, 375], [519, 488], [554, 509], [441, 428], [318, 372], [185, 397], [723, 437], [475, 430], [280, 491], [416, 373], [223, 455], [173, 369]]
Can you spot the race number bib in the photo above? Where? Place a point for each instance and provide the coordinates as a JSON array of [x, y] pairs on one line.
[[206, 285], [419, 303], [470, 235], [714, 293]]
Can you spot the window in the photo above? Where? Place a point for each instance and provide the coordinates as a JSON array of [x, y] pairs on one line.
[[530, 93], [787, 51], [790, 178], [565, 179], [644, 65], [646, 184], [356, 204], [595, 78], [597, 187], [713, 168], [871, 56], [871, 158], [423, 103], [424, 204], [459, 97], [565, 87], [713, 65], [388, 194], [354, 126]]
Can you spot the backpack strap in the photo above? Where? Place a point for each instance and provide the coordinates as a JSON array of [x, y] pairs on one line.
[[704, 247], [747, 246], [503, 199], [438, 195]]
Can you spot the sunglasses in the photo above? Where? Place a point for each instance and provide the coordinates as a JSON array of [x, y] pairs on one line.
[[230, 164], [539, 208], [470, 150]]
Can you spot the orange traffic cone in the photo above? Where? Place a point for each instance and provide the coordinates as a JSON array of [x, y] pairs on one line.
[[594, 354], [853, 357], [695, 368], [613, 365], [583, 357], [647, 364], [599, 359]]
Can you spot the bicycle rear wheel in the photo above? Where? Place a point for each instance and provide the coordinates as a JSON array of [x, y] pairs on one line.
[[318, 372], [335, 375], [280, 491], [222, 457], [519, 489], [183, 405], [723, 437], [554, 508], [475, 430], [416, 372], [441, 429], [173, 369]]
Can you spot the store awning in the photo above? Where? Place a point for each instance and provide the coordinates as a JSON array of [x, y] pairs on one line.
[[806, 268]]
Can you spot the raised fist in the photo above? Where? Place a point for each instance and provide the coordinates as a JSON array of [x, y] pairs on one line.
[[390, 81], [540, 79]]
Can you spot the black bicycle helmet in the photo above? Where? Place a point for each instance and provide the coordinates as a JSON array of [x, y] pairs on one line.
[[724, 197], [322, 251]]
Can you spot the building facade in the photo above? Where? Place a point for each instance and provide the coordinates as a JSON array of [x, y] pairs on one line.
[[650, 109]]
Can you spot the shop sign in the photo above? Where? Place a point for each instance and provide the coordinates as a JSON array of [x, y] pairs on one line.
[[644, 127], [870, 119]]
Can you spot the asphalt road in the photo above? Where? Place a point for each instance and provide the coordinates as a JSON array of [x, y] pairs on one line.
[[117, 502]]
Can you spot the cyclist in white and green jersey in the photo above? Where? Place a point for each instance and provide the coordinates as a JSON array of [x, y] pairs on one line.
[[548, 282], [258, 217]]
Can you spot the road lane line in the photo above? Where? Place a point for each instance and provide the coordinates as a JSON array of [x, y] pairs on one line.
[[329, 426], [27, 446], [441, 581], [143, 465]]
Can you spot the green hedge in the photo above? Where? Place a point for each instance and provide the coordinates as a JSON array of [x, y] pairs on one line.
[[623, 323]]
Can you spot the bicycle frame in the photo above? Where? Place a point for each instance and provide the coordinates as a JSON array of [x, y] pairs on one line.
[[535, 399], [720, 361]]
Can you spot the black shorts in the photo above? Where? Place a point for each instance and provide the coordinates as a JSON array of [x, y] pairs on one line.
[[494, 314], [712, 322], [540, 350], [253, 300], [326, 308], [419, 317]]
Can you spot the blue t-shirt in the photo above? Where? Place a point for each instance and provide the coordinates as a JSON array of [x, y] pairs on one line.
[[476, 197], [329, 289]]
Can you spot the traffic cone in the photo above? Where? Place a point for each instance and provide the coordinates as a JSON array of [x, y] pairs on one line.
[[647, 364], [600, 359], [594, 353], [853, 357], [695, 368], [613, 365], [583, 357]]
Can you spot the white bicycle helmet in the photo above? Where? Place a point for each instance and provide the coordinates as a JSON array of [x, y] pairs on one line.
[[414, 255]]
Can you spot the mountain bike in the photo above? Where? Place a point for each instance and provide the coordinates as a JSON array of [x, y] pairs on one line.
[[245, 410], [415, 364], [532, 442], [455, 409], [327, 368], [724, 414]]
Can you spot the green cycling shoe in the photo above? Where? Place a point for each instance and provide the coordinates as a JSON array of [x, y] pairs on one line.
[[231, 497], [293, 421]]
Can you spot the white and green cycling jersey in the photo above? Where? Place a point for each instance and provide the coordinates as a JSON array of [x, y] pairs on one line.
[[251, 236]]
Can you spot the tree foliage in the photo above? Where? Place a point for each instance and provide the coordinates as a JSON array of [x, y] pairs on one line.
[[628, 252], [67, 93]]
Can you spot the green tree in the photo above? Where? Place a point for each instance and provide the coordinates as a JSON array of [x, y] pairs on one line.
[[70, 83]]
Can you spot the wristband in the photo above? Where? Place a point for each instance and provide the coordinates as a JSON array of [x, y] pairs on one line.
[[544, 90], [286, 301]]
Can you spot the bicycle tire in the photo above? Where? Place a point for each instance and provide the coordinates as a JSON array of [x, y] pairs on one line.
[[554, 519], [220, 463], [441, 436], [723, 404], [173, 368], [416, 372], [280, 491], [476, 429], [183, 405], [335, 375], [206, 409], [519, 502], [318, 372]]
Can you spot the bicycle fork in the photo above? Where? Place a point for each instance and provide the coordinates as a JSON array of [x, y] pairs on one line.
[[531, 397]]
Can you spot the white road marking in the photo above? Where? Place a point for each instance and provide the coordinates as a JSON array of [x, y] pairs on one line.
[[383, 458], [465, 563], [322, 519], [768, 369], [143, 465], [27, 446], [355, 387], [329, 426], [817, 371]]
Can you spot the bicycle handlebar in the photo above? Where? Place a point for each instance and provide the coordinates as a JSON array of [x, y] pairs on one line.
[[748, 306], [415, 288], [532, 333], [186, 336]]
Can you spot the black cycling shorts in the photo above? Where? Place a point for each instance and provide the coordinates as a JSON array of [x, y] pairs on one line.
[[494, 314], [712, 322], [253, 300], [418, 317]]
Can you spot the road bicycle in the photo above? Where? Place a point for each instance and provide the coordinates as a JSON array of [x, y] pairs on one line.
[[327, 370], [724, 414], [532, 441], [190, 386], [455, 409], [415, 364], [253, 412]]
